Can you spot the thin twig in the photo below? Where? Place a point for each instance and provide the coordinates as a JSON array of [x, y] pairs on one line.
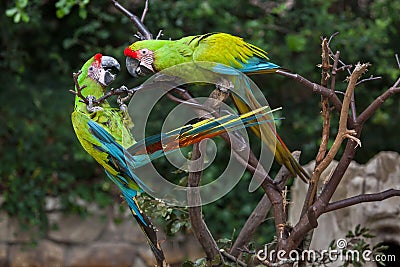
[[378, 102], [160, 33], [78, 91], [371, 78], [142, 29], [334, 70], [146, 8], [232, 258], [331, 38]]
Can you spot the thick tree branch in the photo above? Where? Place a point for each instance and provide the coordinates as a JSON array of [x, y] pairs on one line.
[[199, 227], [378, 102], [325, 66], [362, 199], [343, 132], [319, 89], [325, 112], [309, 220], [260, 212]]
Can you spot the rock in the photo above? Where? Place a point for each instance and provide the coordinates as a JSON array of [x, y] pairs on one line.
[[138, 262], [3, 255], [52, 254], [45, 254], [76, 229], [126, 231], [193, 248], [24, 256], [147, 256], [16, 234], [101, 255], [173, 252], [53, 203], [4, 226]]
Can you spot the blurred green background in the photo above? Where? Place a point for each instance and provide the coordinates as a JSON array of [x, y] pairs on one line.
[[43, 42]]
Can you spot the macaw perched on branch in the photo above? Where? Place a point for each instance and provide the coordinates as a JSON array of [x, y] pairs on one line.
[[104, 132], [94, 77], [144, 57]]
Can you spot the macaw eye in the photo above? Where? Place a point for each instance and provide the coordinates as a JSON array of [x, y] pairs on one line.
[[90, 68], [144, 52]]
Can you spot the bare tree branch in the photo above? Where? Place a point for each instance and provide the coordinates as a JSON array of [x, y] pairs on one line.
[[362, 199], [371, 78], [313, 184], [142, 29], [343, 132], [334, 70], [199, 227], [232, 258], [260, 212], [146, 8], [378, 102], [317, 89]]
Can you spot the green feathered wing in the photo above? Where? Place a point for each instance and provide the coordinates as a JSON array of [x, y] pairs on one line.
[[117, 125], [224, 50]]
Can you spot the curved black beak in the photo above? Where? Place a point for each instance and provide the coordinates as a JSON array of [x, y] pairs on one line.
[[136, 68], [109, 65], [132, 65]]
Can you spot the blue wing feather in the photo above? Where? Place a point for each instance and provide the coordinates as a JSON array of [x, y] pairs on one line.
[[117, 152]]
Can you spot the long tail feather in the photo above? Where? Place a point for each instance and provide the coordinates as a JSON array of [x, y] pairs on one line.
[[150, 232], [144, 222], [190, 134], [271, 138]]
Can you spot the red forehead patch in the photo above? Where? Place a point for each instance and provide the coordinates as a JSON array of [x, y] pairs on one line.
[[130, 53], [97, 58]]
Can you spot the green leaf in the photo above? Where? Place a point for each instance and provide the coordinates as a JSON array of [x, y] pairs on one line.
[[11, 12]]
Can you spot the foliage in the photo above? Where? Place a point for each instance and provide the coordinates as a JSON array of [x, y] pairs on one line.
[[40, 154], [358, 241]]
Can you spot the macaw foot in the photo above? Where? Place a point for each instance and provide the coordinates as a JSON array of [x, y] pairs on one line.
[[224, 85], [121, 100], [92, 104]]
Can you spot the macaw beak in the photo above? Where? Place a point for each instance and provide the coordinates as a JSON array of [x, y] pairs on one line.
[[132, 65], [109, 65], [136, 68]]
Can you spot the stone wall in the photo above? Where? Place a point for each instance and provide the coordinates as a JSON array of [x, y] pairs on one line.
[[94, 241]]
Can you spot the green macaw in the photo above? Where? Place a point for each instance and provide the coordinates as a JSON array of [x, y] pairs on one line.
[[104, 132], [225, 51], [95, 76]]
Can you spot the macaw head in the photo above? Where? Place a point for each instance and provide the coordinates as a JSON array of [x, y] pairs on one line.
[[100, 68], [139, 59]]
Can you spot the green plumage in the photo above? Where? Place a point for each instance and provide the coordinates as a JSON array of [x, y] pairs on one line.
[[221, 50], [113, 121]]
